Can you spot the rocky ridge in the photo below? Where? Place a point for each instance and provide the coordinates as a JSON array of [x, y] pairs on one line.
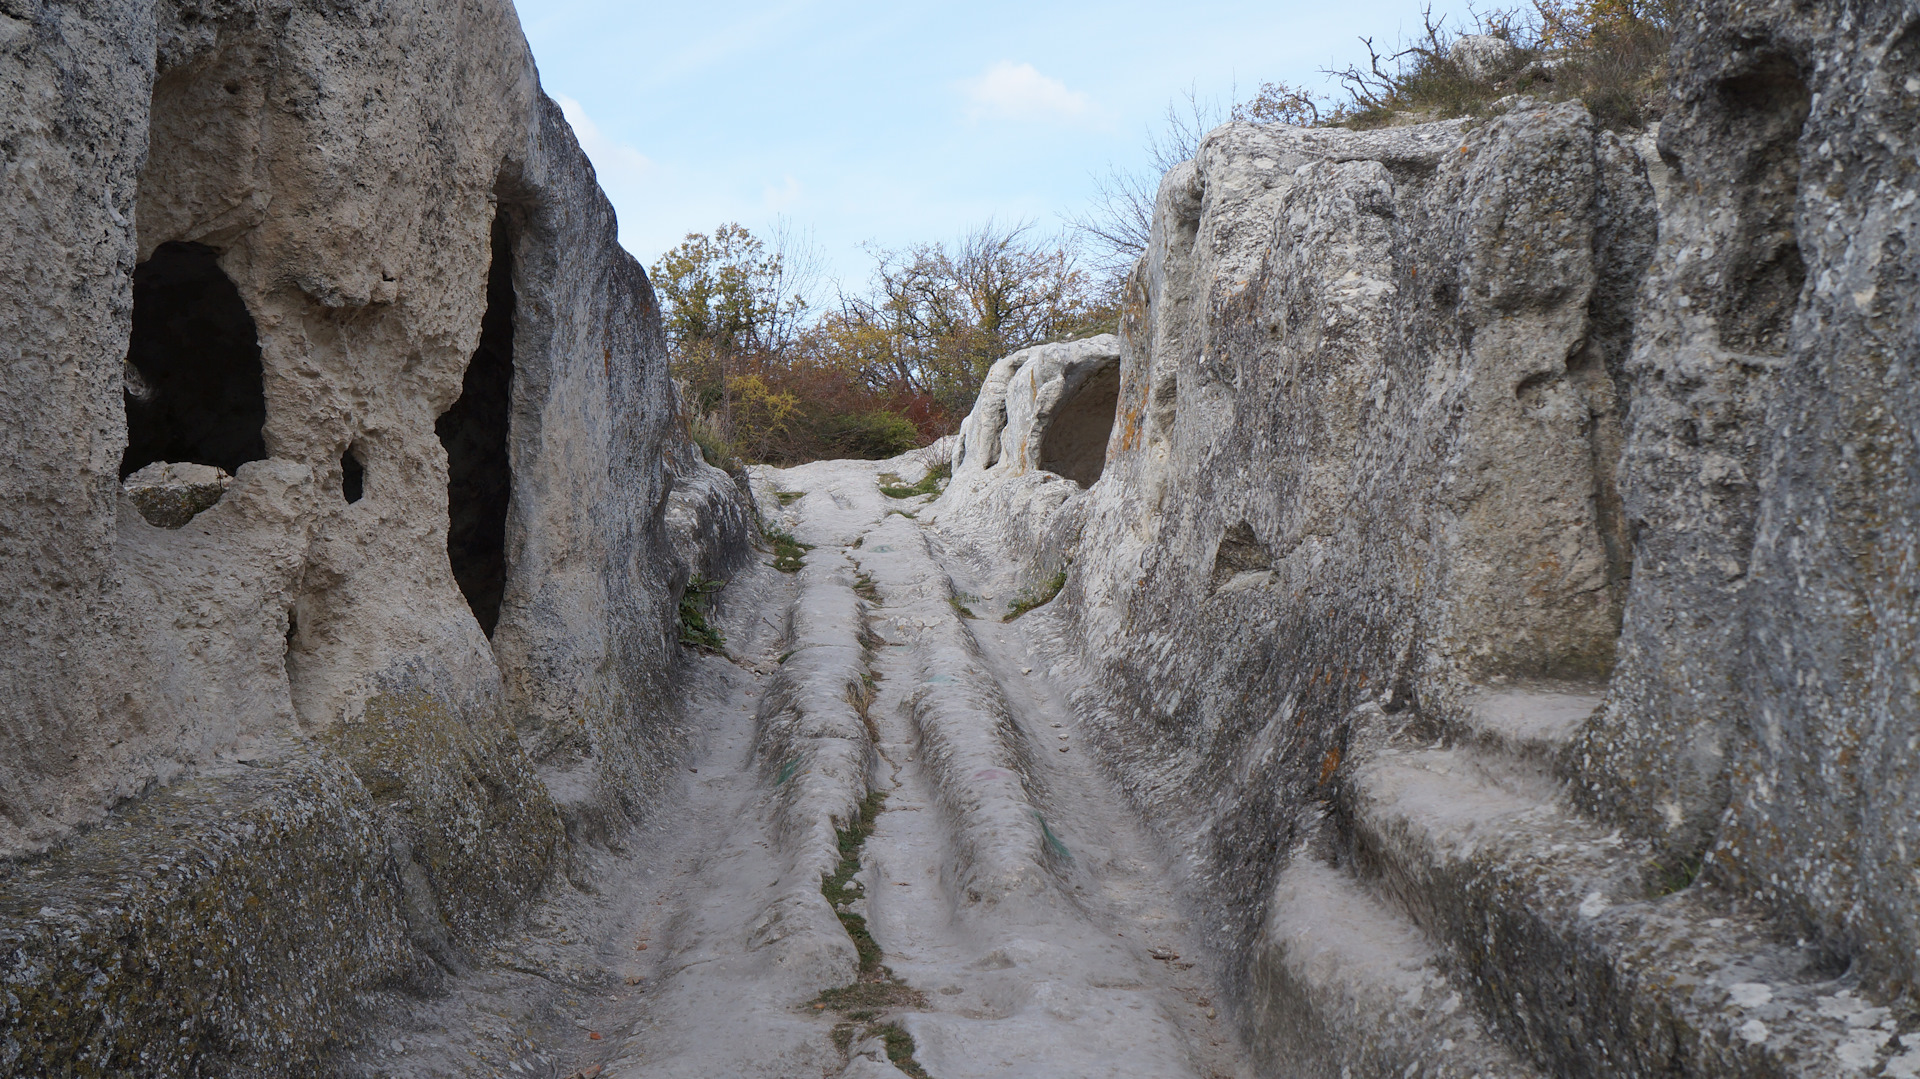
[[1477, 501]]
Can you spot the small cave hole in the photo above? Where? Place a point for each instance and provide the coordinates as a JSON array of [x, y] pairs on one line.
[[1075, 443], [194, 386], [1240, 551], [353, 476], [474, 432]]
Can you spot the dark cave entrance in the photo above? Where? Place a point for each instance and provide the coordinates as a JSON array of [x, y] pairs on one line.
[[1075, 445], [353, 476], [195, 390], [474, 432]]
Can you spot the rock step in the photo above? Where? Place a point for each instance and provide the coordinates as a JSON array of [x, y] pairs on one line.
[[1344, 985], [1550, 918], [1529, 725]]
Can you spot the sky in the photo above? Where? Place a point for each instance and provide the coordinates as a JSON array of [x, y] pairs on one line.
[[863, 123]]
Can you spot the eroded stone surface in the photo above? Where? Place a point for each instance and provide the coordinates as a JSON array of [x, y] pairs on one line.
[[377, 188], [1442, 422]]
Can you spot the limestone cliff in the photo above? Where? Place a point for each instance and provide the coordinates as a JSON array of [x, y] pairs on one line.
[[319, 716], [1501, 546]]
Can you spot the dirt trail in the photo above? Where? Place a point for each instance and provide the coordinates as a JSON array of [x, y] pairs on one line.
[[1001, 914]]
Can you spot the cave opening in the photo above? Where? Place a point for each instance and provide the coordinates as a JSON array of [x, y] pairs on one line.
[[474, 432], [353, 476], [194, 385], [1075, 443]]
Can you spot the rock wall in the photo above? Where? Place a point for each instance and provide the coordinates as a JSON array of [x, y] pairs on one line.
[[1521, 450], [331, 726], [1357, 451]]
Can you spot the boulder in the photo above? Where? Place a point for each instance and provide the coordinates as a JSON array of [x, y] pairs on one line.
[[1482, 56], [168, 494]]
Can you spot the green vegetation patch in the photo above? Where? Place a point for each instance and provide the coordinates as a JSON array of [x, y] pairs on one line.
[[893, 487], [695, 604], [789, 554], [876, 991], [1674, 873], [1030, 598], [862, 1001], [839, 888], [900, 1049], [1052, 842], [714, 446]]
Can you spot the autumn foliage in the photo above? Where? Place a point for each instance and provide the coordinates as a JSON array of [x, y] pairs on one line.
[[767, 376]]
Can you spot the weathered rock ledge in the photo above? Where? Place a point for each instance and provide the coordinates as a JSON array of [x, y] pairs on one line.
[[1500, 545]]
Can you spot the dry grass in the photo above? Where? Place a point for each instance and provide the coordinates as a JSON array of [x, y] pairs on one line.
[[1610, 54]]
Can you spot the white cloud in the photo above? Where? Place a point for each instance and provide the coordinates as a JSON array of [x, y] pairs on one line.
[[1020, 92], [614, 162]]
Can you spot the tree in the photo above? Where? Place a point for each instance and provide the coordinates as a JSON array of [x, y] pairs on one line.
[[726, 297], [887, 368], [937, 316], [1120, 221]]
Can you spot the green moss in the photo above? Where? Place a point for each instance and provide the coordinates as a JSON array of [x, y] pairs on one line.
[[461, 792], [695, 605], [892, 486], [872, 997], [223, 926], [1052, 842], [900, 1049], [838, 887], [1028, 599], [1674, 873], [876, 991], [789, 554]]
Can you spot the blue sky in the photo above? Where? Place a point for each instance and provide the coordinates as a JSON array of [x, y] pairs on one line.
[[892, 123]]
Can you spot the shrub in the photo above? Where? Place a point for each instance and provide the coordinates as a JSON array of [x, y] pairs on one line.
[[1611, 54], [873, 435]]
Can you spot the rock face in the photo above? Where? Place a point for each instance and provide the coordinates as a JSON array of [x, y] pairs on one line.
[[328, 726], [1503, 543]]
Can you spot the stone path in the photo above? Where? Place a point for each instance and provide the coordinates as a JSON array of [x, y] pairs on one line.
[[1000, 914]]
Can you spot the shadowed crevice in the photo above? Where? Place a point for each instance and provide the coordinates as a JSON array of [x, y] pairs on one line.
[[474, 432]]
